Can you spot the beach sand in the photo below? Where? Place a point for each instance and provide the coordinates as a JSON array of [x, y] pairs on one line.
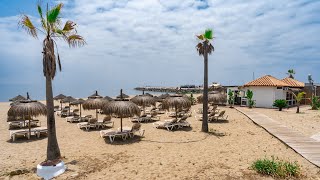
[[226, 153], [307, 122]]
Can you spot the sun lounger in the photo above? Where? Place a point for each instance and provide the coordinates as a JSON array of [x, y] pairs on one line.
[[112, 134], [168, 124], [21, 132], [92, 123], [40, 131], [16, 124], [182, 122], [136, 127], [220, 116]]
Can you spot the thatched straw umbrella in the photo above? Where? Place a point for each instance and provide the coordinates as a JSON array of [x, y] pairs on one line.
[[18, 98], [94, 101], [163, 96], [176, 102], [122, 108], [108, 98], [68, 99], [59, 98], [122, 96], [144, 100], [78, 102], [214, 97], [27, 108]]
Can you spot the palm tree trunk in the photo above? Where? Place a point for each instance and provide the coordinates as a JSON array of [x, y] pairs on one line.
[[205, 91], [53, 151], [298, 108]]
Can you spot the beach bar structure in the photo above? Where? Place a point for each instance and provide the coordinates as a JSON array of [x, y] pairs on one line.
[[267, 89]]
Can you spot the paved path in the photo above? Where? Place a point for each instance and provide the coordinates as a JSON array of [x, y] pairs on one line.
[[307, 147]]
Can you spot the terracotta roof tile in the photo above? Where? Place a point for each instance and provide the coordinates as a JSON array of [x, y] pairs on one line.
[[293, 83], [267, 80]]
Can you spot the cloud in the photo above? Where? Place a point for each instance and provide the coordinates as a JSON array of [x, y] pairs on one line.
[[134, 42]]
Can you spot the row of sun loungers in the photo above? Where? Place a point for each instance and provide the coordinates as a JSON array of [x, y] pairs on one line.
[[25, 132], [124, 134], [94, 123], [171, 124], [215, 116], [23, 123]]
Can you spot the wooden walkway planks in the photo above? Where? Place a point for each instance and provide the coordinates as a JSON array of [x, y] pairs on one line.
[[307, 147]]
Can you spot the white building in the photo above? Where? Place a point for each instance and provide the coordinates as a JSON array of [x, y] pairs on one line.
[[267, 89]]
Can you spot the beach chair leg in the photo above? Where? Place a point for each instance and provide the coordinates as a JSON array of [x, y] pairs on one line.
[[13, 137], [111, 137], [141, 132]]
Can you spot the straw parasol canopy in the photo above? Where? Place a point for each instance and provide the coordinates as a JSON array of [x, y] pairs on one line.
[[144, 100], [18, 98], [163, 96], [122, 108], [176, 102], [60, 97], [27, 108], [68, 99], [78, 102], [94, 101], [124, 96], [214, 97], [108, 98]]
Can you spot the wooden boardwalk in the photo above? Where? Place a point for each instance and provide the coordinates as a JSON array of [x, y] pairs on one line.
[[305, 146]]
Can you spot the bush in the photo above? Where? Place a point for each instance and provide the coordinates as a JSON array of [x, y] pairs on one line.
[[315, 103], [276, 168], [280, 103], [231, 97], [251, 102]]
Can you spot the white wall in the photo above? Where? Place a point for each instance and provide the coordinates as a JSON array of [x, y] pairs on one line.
[[264, 96]]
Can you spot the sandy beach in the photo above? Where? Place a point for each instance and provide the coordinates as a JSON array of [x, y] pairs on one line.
[[226, 153]]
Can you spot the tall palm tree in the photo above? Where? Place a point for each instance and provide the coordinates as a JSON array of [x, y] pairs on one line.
[[51, 29], [204, 48], [291, 72]]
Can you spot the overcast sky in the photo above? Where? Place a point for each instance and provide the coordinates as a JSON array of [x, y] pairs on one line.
[[152, 42]]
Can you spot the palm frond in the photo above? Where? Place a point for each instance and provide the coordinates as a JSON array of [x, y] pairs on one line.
[[43, 21], [200, 49], [75, 40], [59, 62], [27, 25], [69, 26], [53, 14], [208, 34], [200, 37]]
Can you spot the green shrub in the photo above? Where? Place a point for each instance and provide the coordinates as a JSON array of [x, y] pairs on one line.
[[231, 97], [251, 102], [276, 168], [280, 103], [315, 103]]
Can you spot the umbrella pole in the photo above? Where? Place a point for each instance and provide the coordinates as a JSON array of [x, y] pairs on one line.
[[29, 129], [60, 105], [121, 123], [175, 107], [80, 110], [97, 114], [144, 111], [69, 108]]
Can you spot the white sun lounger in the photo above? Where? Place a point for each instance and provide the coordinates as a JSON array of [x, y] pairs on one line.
[[112, 134]]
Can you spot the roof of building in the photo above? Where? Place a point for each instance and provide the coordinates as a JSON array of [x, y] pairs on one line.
[[293, 83], [267, 80]]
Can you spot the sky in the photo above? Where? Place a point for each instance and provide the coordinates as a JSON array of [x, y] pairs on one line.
[[134, 43]]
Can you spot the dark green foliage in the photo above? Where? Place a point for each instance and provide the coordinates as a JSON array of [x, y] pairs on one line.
[[280, 103], [276, 168], [250, 100], [315, 103], [231, 97]]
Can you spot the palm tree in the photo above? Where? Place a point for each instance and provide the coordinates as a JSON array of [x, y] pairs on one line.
[[291, 72], [51, 29], [298, 98], [204, 47]]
